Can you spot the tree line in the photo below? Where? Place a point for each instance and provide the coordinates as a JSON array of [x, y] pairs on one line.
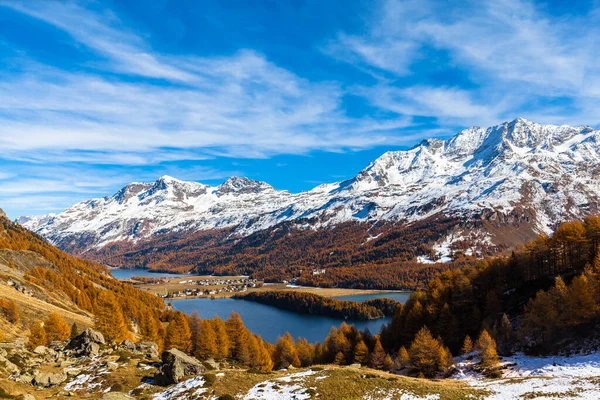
[[310, 303]]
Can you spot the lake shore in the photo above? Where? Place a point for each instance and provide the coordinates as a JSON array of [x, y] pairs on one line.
[[179, 284]]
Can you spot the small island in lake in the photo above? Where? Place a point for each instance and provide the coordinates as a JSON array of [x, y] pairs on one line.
[[310, 303]]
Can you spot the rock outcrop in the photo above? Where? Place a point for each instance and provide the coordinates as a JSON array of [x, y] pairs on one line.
[[176, 366]]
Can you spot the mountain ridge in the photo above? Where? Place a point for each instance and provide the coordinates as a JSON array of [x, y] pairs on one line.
[[538, 173]]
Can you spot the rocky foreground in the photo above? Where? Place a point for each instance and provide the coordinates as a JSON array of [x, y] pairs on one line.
[[88, 367]]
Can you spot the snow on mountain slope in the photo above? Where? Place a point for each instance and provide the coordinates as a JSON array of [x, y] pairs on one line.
[[516, 170]]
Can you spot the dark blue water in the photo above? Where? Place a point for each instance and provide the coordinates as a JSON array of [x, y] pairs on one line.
[[401, 297], [123, 274], [270, 322]]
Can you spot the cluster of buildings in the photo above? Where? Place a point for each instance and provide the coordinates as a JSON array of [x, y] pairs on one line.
[[238, 285]]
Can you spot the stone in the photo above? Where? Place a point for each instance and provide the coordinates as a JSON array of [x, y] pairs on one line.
[[177, 365], [44, 351], [9, 366], [72, 371], [148, 349], [87, 343], [25, 378], [28, 396], [46, 379], [116, 396], [128, 345]]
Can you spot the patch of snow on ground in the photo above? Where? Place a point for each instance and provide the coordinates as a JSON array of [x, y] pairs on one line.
[[275, 390], [541, 377], [394, 393], [182, 389]]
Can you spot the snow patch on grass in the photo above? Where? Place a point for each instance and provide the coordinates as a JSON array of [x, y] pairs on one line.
[[289, 387], [183, 390]]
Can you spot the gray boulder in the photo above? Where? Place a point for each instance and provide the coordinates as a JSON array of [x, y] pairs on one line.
[[148, 349], [43, 379], [44, 351], [128, 345], [176, 366], [87, 343]]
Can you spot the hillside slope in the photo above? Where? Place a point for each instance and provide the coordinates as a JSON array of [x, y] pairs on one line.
[[41, 279]]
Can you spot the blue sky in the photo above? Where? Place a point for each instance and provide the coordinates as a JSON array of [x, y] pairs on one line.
[[94, 95]]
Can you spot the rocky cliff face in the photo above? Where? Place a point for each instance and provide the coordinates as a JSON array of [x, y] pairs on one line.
[[513, 174]]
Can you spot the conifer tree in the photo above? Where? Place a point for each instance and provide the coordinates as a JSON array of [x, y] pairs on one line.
[[285, 353], [388, 363], [403, 359], [56, 328], [361, 353], [467, 346], [149, 327], [486, 346], [262, 361], [505, 335], [378, 355], [194, 322], [178, 335], [74, 331], [109, 318], [426, 354], [339, 359], [319, 353], [305, 352], [37, 336], [206, 340], [239, 337], [222, 338]]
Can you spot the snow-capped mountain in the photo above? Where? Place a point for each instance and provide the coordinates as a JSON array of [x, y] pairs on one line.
[[516, 171]]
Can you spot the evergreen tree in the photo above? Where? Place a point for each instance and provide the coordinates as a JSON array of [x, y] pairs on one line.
[[378, 355], [178, 335], [222, 338], [239, 337], [37, 336], [467, 346], [486, 346], [206, 340], [74, 331], [109, 318], [305, 352], [505, 335], [56, 328], [361, 353], [285, 353], [403, 359], [427, 354]]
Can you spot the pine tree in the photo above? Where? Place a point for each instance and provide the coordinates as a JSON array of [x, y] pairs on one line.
[[361, 353], [505, 335], [179, 335], [378, 355], [467, 346], [486, 346], [239, 337], [206, 340], [222, 338], [109, 318], [403, 359], [426, 354], [56, 328], [339, 359], [285, 353], [305, 352], [74, 331], [581, 307], [149, 327], [194, 322], [262, 361], [37, 336], [388, 363]]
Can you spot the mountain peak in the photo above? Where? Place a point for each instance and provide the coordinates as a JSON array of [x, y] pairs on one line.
[[236, 184]]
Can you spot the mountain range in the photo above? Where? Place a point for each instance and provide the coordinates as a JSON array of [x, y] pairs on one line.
[[502, 185]]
